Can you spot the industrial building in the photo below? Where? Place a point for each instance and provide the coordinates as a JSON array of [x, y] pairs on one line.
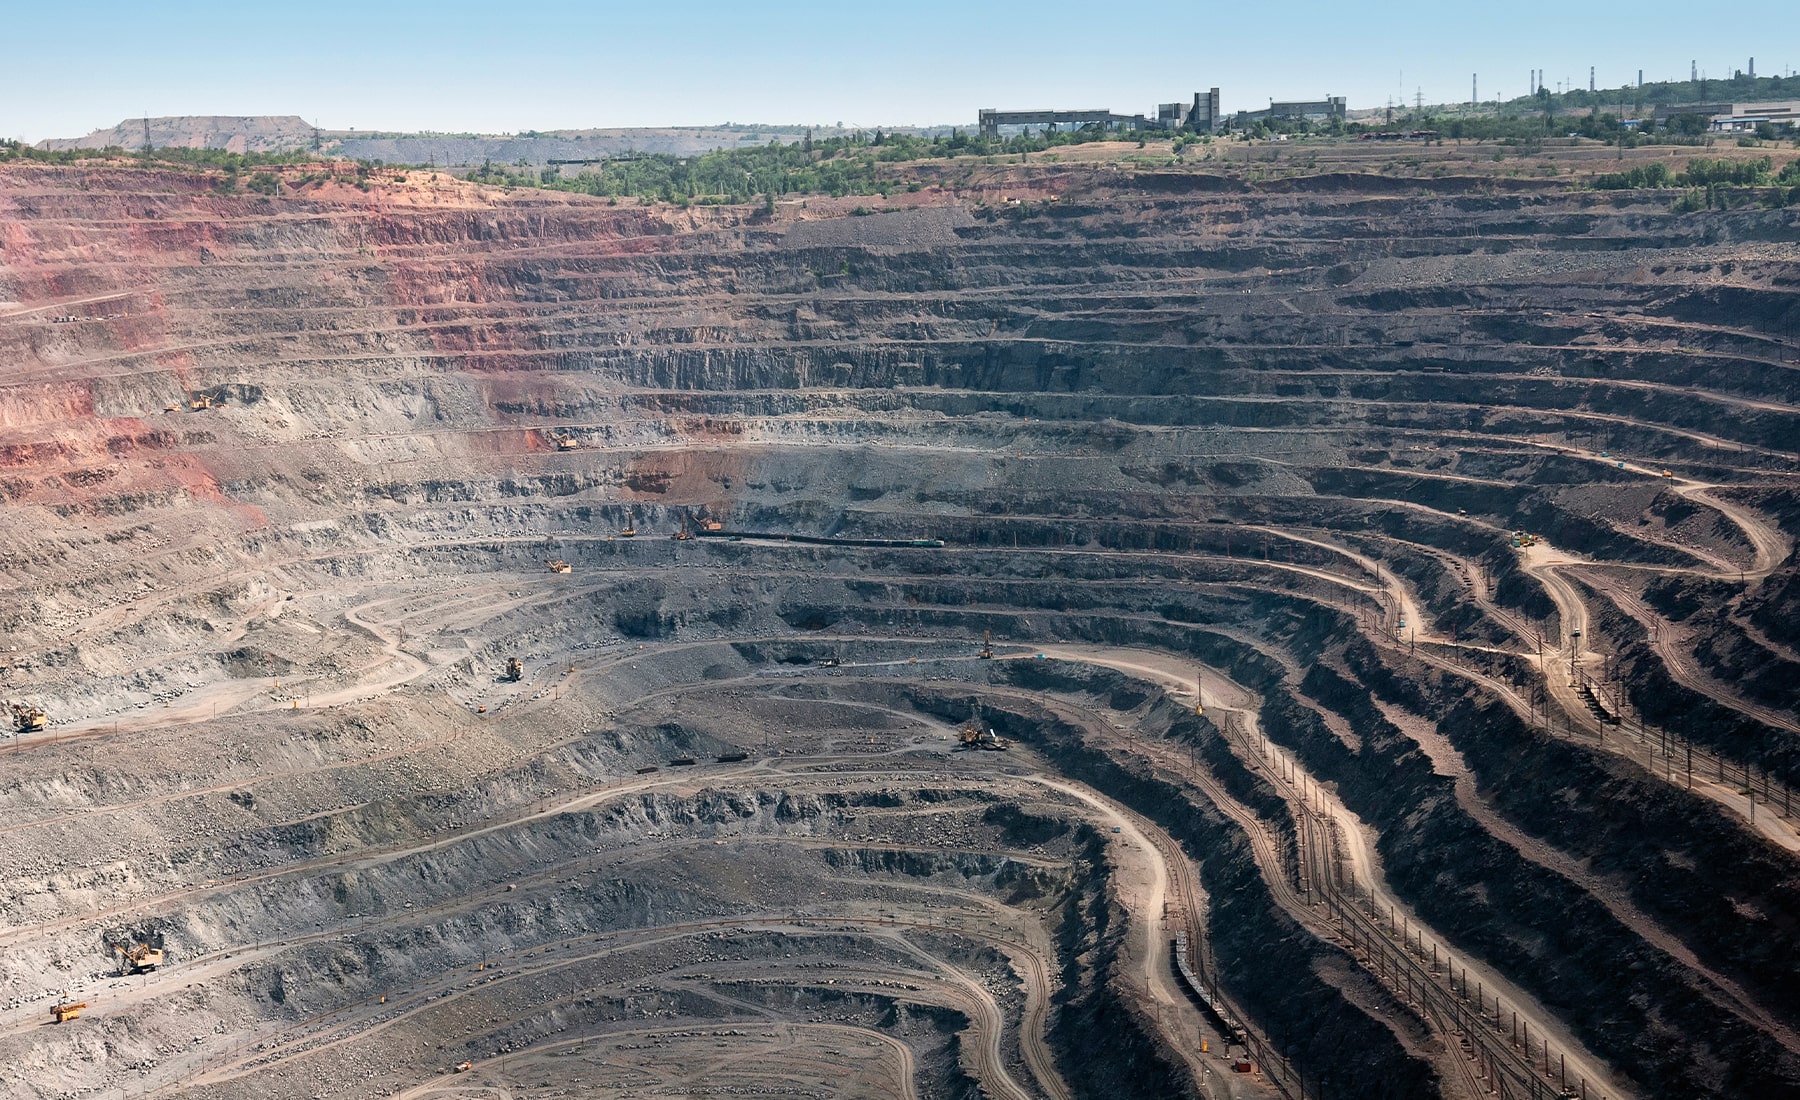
[[1309, 110], [1740, 118], [990, 119], [1736, 118], [1202, 116]]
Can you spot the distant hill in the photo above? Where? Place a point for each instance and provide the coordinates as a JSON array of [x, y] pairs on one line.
[[538, 148], [274, 133], [234, 133]]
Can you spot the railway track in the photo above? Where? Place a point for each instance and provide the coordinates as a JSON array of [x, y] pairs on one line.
[[1492, 1063], [1429, 985]]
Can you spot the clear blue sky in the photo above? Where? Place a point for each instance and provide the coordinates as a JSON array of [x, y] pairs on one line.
[[509, 65]]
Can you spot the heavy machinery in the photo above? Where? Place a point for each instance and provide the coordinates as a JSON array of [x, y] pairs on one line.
[[629, 531], [684, 534], [27, 719], [712, 525], [559, 566], [976, 736], [139, 958], [1523, 539], [987, 647], [514, 670], [567, 443], [464, 1067], [200, 402], [63, 1011]]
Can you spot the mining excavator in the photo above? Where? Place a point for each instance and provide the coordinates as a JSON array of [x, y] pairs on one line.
[[514, 670], [139, 958], [976, 736], [567, 443], [559, 566], [629, 531], [200, 402], [684, 534], [64, 1011], [27, 719], [987, 647]]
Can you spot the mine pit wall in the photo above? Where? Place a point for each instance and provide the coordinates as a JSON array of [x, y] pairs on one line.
[[1097, 1000], [1021, 354], [1660, 700], [1491, 901], [1671, 853], [1724, 648], [324, 976], [1269, 963], [1775, 608], [1612, 986]]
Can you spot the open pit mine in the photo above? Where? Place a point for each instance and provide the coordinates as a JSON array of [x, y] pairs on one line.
[[1060, 632]]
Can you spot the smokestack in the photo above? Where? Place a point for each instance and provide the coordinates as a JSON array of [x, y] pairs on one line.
[[1640, 78], [1473, 98], [1591, 78], [1753, 68], [1693, 71]]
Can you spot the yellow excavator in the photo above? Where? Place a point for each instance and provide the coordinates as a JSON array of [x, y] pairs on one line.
[[987, 647], [976, 736], [64, 1011], [139, 958], [559, 566], [566, 443], [27, 719], [514, 670]]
